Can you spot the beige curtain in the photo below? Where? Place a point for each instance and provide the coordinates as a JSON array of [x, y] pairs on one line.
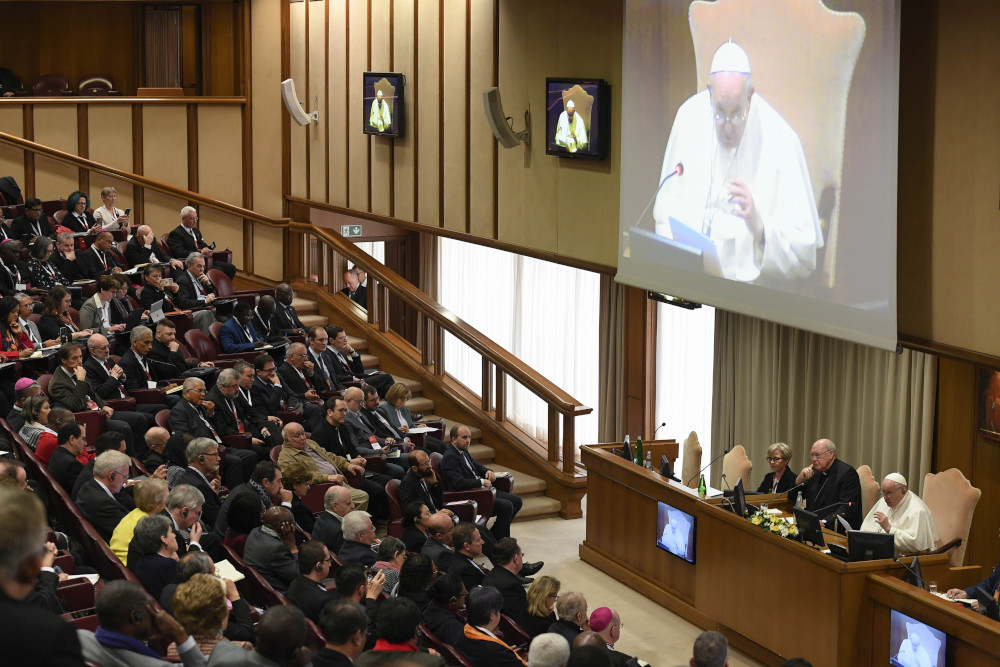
[[611, 371], [777, 384]]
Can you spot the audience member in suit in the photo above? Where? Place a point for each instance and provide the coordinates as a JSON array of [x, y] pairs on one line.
[[14, 275], [415, 517], [194, 288], [63, 464], [78, 219], [186, 238], [394, 411], [479, 645], [361, 433], [110, 380], [383, 427], [542, 596], [157, 545], [99, 259], [167, 350], [419, 484], [280, 634], [25, 309], [203, 460], [265, 484], [307, 591], [111, 440], [238, 333], [32, 223], [829, 481], [344, 625], [263, 320], [324, 375], [337, 503], [347, 363], [247, 401], [96, 499], [359, 536], [572, 612], [438, 545], [444, 615], [398, 619], [468, 544], [286, 319], [143, 248], [336, 436], [461, 471], [65, 258], [354, 290], [608, 624], [96, 311], [233, 416], [69, 388], [33, 635], [43, 273], [504, 577], [5, 232], [353, 584], [296, 374], [271, 550], [140, 369], [126, 619], [780, 479]]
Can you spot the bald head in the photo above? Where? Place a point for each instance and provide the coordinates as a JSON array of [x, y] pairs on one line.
[[157, 437], [354, 394], [588, 638], [274, 517]]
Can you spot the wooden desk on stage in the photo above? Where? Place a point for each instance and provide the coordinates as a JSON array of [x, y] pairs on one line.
[[772, 597]]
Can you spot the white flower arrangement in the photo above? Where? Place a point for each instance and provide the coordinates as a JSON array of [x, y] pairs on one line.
[[775, 524]]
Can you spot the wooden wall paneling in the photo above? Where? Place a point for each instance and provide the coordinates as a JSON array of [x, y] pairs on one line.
[[482, 145], [106, 125], [12, 159], [405, 148], [220, 65], [358, 196], [339, 110], [455, 121], [220, 175], [191, 50], [428, 112], [165, 158], [267, 262], [55, 126], [317, 132], [267, 114], [163, 43], [381, 147], [298, 137]]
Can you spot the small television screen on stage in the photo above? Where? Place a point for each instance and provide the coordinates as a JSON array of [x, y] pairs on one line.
[[810, 528], [382, 101], [912, 643], [675, 531], [577, 118], [869, 545]]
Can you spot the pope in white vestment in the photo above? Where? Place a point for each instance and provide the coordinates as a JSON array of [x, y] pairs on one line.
[[903, 514], [745, 183], [570, 131], [380, 118]]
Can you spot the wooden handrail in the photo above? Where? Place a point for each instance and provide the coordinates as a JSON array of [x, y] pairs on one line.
[[400, 287], [136, 179]]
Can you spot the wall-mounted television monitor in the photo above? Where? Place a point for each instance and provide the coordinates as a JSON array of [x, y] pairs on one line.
[[869, 545], [913, 643], [577, 118], [382, 101], [675, 531]]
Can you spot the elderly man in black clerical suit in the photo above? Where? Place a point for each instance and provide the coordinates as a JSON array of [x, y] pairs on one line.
[[831, 486], [186, 238], [100, 258], [359, 536], [297, 373], [233, 416]]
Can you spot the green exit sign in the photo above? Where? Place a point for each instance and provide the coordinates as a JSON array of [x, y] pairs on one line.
[[350, 230]]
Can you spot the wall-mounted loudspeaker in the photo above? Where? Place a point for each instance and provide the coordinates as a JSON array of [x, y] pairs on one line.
[[500, 124], [294, 106]]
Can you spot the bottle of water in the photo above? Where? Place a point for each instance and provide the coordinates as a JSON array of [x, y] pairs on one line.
[[649, 460], [702, 488], [639, 458]]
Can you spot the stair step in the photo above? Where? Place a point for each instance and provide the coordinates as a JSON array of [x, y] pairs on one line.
[[304, 307], [537, 507], [419, 405], [314, 320], [481, 453], [524, 484], [359, 344], [477, 433], [369, 361], [414, 386]]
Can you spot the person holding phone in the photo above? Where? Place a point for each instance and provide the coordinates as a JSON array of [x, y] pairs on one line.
[[109, 217], [56, 318]]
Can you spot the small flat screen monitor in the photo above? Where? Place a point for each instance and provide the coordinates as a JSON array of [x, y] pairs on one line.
[[666, 470], [810, 529], [913, 643], [916, 577], [675, 531], [987, 603], [739, 496], [577, 118], [382, 103], [868, 545]]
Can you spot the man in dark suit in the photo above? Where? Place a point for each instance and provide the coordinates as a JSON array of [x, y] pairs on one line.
[[32, 223], [333, 434], [439, 538], [419, 484], [238, 333], [508, 561], [65, 258], [33, 635], [194, 288], [307, 591], [324, 375], [265, 483], [110, 380], [63, 464], [100, 259], [361, 435], [571, 610], [263, 320], [166, 350], [14, 274], [143, 248], [354, 290], [468, 544], [70, 389], [186, 238], [110, 440], [337, 503], [344, 625], [140, 371], [247, 401], [359, 536], [296, 374], [608, 624], [96, 499], [461, 471], [348, 365], [270, 548], [232, 416], [829, 481], [203, 460], [483, 611], [286, 319]]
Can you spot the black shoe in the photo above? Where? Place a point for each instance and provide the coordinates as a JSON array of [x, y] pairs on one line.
[[524, 581], [530, 569]]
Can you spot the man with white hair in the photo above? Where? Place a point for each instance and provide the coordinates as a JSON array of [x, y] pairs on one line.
[[745, 182], [359, 538], [186, 238], [571, 133], [711, 649], [904, 514], [548, 650], [96, 498], [144, 248]]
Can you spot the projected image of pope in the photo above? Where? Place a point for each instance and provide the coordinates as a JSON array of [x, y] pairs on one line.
[[380, 118], [570, 132], [745, 182]]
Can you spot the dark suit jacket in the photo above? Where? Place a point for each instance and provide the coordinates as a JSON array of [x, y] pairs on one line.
[[290, 378], [92, 264], [383, 427], [414, 539], [187, 296], [184, 419], [138, 254], [515, 601], [330, 658], [268, 397], [536, 625], [989, 584], [839, 484], [71, 270], [266, 329], [309, 596], [286, 319], [100, 509], [324, 372], [21, 226], [64, 468], [135, 376], [102, 382], [8, 283], [481, 652], [334, 439], [181, 244], [457, 476], [410, 490], [233, 338], [355, 552], [566, 629], [72, 395], [210, 510], [71, 222], [347, 372], [463, 568], [162, 353], [154, 572], [272, 559], [151, 295], [444, 623], [786, 482], [36, 636], [224, 421], [327, 530], [359, 297]]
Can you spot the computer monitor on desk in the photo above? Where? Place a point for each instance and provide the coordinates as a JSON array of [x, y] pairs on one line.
[[868, 545], [810, 527]]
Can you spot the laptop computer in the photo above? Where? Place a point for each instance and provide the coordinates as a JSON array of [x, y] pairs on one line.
[[156, 311]]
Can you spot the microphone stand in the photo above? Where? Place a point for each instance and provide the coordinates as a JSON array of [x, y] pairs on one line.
[[728, 499], [697, 474], [913, 573], [678, 170]]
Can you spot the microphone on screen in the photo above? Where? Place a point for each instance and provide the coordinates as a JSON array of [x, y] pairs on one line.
[[678, 170]]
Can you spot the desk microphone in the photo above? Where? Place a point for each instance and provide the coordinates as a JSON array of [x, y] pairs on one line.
[[728, 499], [697, 474], [678, 170], [657, 430], [829, 510], [913, 572]]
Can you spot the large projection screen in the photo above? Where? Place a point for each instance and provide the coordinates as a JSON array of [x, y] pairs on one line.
[[784, 207]]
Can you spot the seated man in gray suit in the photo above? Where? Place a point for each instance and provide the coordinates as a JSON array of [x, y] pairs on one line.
[[271, 550]]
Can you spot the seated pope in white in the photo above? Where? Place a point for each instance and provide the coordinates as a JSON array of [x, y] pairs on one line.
[[571, 133], [380, 118], [900, 512], [745, 184]]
